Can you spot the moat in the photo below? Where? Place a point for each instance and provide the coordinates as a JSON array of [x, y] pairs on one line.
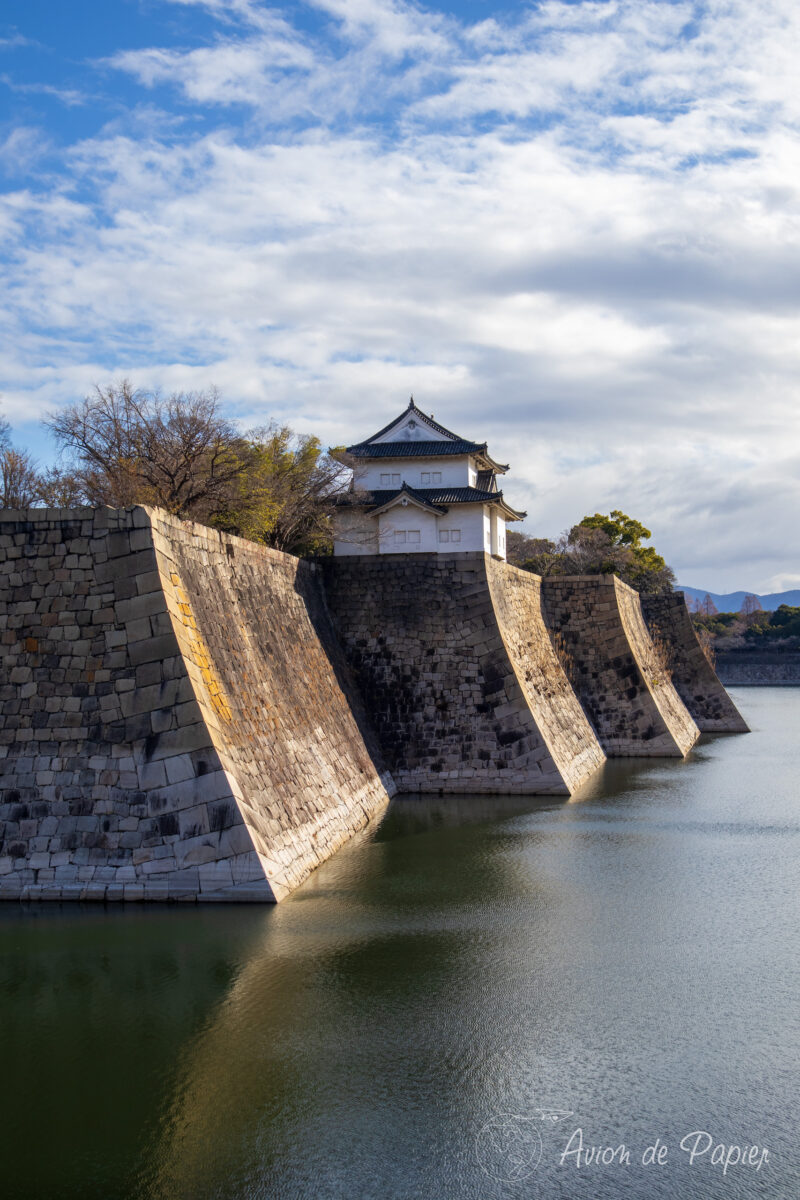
[[398, 1026]]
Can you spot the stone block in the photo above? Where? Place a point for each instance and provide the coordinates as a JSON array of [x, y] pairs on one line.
[[179, 768], [150, 650], [152, 775]]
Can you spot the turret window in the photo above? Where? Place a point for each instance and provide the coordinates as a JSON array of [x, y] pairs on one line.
[[403, 537], [388, 480], [449, 535]]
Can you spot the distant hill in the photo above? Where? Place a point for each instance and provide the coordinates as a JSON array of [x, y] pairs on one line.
[[732, 601]]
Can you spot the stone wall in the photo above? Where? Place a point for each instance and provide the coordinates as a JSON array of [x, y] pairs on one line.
[[695, 680], [621, 679], [759, 668], [181, 716], [459, 675], [177, 718], [517, 600]]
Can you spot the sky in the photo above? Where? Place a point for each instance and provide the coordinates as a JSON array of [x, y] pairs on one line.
[[571, 229]]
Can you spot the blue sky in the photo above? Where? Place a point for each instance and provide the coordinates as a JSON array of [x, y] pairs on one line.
[[569, 228]]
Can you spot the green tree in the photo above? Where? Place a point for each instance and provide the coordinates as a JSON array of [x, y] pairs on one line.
[[617, 548], [622, 530], [285, 491], [598, 545]]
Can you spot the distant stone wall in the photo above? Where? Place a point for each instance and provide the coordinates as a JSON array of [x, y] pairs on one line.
[[459, 675], [694, 678], [177, 719], [620, 677], [759, 668]]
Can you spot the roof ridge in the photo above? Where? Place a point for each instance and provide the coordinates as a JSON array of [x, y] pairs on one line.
[[433, 445], [415, 495], [429, 421]]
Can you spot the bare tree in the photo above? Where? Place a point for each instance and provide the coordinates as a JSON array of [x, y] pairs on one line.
[[61, 489], [706, 644], [751, 604], [19, 479], [131, 446]]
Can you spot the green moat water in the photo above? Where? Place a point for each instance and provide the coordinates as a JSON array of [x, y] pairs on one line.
[[394, 1028]]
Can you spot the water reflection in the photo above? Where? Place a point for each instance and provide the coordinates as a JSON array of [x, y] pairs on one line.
[[627, 956]]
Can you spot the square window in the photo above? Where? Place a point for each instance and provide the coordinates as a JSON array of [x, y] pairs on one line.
[[436, 476], [386, 479], [425, 476], [399, 537], [413, 536], [455, 535], [395, 481], [444, 535]]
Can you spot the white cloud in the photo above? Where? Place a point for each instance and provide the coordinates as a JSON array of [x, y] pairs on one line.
[[576, 234], [69, 96], [22, 149]]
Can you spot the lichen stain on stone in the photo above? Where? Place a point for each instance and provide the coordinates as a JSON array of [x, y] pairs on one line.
[[199, 652]]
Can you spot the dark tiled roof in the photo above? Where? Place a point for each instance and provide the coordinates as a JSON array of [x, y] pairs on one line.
[[420, 495], [381, 496], [487, 481], [414, 449], [430, 497]]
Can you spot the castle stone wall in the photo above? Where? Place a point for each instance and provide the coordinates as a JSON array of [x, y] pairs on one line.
[[459, 675], [695, 680], [759, 668], [621, 679], [187, 715], [177, 719], [517, 601]]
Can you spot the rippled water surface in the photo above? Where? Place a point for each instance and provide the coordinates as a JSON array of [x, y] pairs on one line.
[[406, 1022]]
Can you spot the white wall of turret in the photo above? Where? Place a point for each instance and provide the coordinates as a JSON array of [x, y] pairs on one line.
[[409, 529], [381, 475]]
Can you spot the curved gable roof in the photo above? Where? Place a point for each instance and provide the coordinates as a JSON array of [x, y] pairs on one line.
[[420, 416], [445, 443]]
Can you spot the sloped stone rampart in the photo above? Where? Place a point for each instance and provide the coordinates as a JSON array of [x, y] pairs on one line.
[[620, 677], [517, 600], [275, 692], [694, 678], [177, 720], [458, 674]]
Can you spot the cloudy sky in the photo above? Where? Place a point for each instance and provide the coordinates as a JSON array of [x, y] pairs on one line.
[[571, 229]]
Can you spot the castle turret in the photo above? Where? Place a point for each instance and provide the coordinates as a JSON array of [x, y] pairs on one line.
[[420, 488]]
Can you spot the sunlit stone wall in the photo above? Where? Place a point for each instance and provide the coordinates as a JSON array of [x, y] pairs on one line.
[[177, 720], [622, 678]]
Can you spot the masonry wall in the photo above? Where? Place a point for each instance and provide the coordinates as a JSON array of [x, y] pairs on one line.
[[517, 601], [695, 680], [759, 668], [459, 675], [621, 679], [177, 719]]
